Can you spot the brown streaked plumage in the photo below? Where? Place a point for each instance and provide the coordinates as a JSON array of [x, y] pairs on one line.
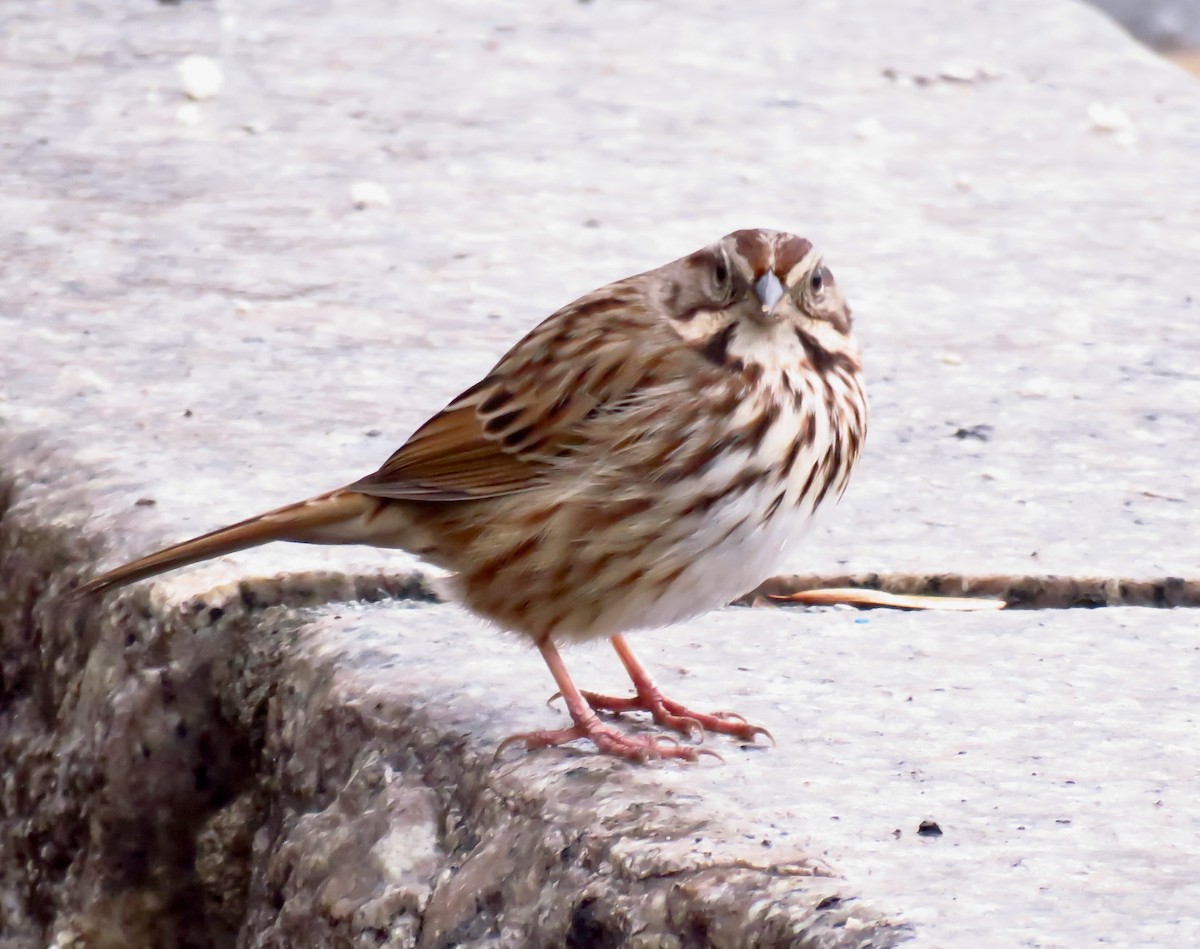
[[642, 456]]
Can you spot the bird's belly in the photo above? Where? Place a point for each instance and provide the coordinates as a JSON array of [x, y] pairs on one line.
[[649, 554], [638, 572], [727, 554]]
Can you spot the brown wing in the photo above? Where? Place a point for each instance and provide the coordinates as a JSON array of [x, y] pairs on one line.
[[450, 458], [502, 435]]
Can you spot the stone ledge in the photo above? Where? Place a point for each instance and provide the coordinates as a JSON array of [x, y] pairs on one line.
[[225, 768]]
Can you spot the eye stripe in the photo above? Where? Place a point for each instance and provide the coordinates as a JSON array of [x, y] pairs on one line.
[[810, 261]]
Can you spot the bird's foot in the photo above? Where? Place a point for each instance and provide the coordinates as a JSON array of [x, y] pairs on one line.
[[609, 741], [674, 715]]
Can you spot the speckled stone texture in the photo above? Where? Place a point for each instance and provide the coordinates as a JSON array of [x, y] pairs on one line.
[[204, 313]]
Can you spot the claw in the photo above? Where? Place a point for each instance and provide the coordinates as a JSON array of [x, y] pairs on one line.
[[731, 717], [505, 744], [695, 731], [673, 715], [608, 741]]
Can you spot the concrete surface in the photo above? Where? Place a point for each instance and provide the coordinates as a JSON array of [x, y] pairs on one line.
[[202, 316], [1065, 807]]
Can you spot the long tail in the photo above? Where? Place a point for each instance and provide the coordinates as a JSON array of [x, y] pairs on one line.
[[339, 517]]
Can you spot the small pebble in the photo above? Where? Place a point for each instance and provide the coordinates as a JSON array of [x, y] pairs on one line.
[[368, 194], [201, 77], [966, 72], [1113, 120], [1108, 118], [929, 828], [869, 129], [959, 72], [1035, 389]]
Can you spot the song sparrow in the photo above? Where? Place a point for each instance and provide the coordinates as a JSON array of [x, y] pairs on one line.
[[641, 457]]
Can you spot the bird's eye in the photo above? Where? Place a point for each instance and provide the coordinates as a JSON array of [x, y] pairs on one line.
[[722, 277], [817, 280]]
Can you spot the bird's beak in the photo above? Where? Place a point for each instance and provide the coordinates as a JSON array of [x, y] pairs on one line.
[[769, 290]]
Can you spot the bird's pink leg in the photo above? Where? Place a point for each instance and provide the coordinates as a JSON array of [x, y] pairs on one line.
[[608, 740], [665, 711]]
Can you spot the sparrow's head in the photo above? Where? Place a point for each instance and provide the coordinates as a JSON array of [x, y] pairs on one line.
[[760, 297]]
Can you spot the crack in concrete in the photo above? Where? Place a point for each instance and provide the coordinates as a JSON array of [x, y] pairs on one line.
[[1020, 592], [1027, 592]]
